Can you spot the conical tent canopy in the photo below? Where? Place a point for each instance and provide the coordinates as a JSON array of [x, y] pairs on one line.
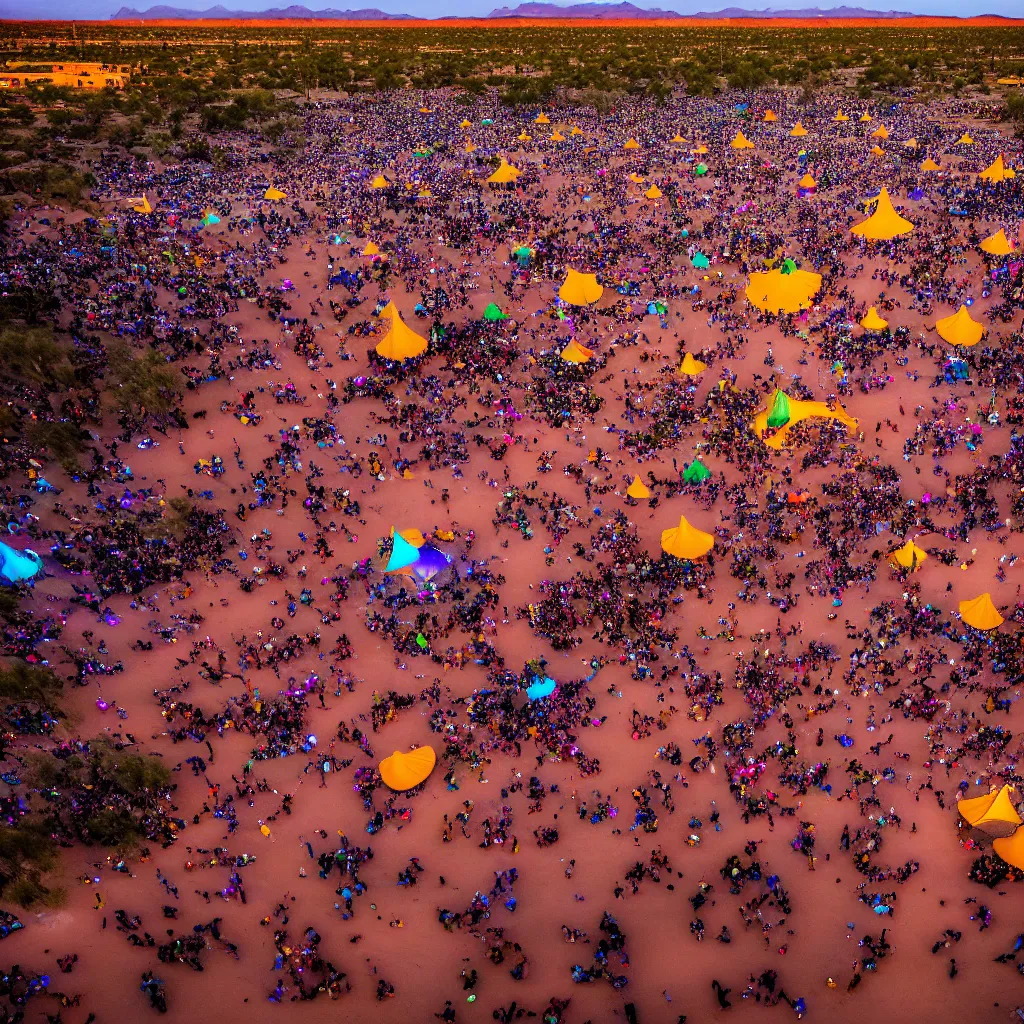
[[580, 289], [994, 814], [402, 553], [798, 130], [865, 117], [701, 169], [404, 771], [401, 342], [273, 194], [523, 137], [469, 147], [576, 353], [873, 322], [997, 244], [965, 140], [557, 136], [881, 132], [877, 150], [371, 249], [141, 205], [380, 182], [997, 171], [960, 328], [18, 566], [465, 123], [884, 223], [1011, 850], [840, 116], [741, 142], [908, 556], [928, 164], [770, 115], [778, 416], [504, 173], [542, 118], [778, 292], [696, 472], [700, 150], [492, 312], [981, 613], [692, 367], [637, 489], [654, 192], [631, 144], [678, 139], [807, 182], [686, 541]]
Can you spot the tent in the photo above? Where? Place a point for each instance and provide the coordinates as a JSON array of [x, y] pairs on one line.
[[403, 553], [807, 183], [865, 117], [404, 771], [965, 140], [928, 164], [631, 144], [783, 290], [686, 541], [1011, 850], [380, 182], [371, 249], [18, 566], [504, 173], [576, 353], [141, 205], [770, 115], [908, 556], [960, 328], [390, 310], [654, 192], [700, 150], [877, 150], [637, 489], [492, 312], [557, 136], [881, 132], [701, 169], [840, 116], [696, 472], [209, 219], [997, 171], [580, 289], [678, 139], [541, 687], [980, 612], [873, 322], [997, 244], [798, 130], [741, 142], [401, 342], [787, 414], [523, 137], [700, 261], [466, 123], [542, 118], [993, 815], [469, 147], [692, 367], [884, 223], [273, 194]]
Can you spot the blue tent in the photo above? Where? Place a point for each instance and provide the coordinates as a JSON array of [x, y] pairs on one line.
[[402, 554], [542, 686]]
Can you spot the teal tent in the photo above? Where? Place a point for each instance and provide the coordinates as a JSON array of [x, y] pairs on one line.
[[700, 261], [402, 554]]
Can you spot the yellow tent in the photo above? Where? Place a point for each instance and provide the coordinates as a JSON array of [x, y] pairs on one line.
[[807, 182], [557, 136], [994, 814], [576, 353], [542, 118], [873, 322], [885, 222], [980, 612], [1011, 850], [654, 192], [404, 771], [997, 244], [840, 116], [928, 164], [997, 171], [401, 341], [909, 556], [910, 143], [686, 541], [770, 115], [798, 411], [965, 140], [637, 489], [678, 139], [692, 367], [425, 110], [865, 117], [576, 131], [380, 182], [631, 144], [523, 137], [636, 178], [504, 173], [389, 311], [960, 328], [273, 194], [466, 123], [777, 292], [798, 130], [371, 249], [881, 132], [580, 289], [877, 151], [141, 205], [741, 142]]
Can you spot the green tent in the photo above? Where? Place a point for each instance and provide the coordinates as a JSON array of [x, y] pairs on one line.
[[700, 261], [493, 313], [523, 254], [696, 472], [788, 265], [779, 414], [702, 169]]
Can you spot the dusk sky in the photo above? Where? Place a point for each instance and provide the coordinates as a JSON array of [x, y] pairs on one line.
[[93, 9]]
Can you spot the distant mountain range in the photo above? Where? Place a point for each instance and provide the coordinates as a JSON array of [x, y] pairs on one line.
[[627, 10], [162, 12]]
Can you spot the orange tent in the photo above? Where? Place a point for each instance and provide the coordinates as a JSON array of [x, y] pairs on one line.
[[576, 353], [692, 367], [404, 771], [885, 222], [798, 131], [741, 142], [981, 613], [993, 815], [580, 289], [686, 541], [637, 489], [960, 328], [401, 342]]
